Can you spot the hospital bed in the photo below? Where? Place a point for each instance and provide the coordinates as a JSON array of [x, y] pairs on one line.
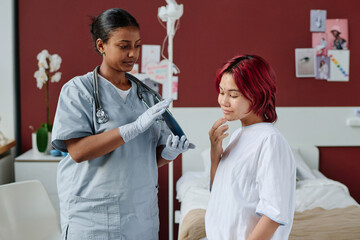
[[324, 207]]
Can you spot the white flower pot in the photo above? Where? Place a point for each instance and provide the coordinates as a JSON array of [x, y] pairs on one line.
[[34, 145]]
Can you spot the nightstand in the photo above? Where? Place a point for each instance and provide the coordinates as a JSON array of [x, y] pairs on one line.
[[29, 166]]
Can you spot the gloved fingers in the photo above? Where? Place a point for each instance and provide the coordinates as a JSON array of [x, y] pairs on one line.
[[158, 114], [168, 141], [161, 105], [181, 142], [175, 142], [185, 146]]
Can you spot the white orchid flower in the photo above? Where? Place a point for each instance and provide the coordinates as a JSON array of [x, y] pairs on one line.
[[56, 77], [41, 77], [42, 57], [55, 61], [43, 53]]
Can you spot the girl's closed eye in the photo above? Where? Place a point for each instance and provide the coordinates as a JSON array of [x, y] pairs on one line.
[[233, 93]]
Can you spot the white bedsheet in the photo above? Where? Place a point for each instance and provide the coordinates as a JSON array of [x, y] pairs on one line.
[[322, 192], [193, 192]]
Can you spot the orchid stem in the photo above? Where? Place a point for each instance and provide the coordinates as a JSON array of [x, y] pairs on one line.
[[47, 99]]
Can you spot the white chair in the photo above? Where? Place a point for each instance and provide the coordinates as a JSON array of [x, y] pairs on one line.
[[26, 212]]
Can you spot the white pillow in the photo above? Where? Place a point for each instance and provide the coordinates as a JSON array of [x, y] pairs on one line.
[[302, 169]]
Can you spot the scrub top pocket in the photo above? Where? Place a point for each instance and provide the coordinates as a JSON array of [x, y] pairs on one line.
[[94, 219]]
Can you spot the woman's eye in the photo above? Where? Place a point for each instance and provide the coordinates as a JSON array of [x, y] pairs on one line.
[[137, 46], [234, 96], [123, 47]]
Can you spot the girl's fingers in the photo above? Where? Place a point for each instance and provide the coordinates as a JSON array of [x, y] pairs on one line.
[[219, 132], [222, 137], [222, 129], [216, 125]]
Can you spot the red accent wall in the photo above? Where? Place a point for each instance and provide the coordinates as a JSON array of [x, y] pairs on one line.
[[211, 32], [342, 164]]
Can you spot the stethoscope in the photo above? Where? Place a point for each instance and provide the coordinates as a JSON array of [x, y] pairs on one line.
[[102, 117]]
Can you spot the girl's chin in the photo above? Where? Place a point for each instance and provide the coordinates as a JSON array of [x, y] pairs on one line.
[[230, 118]]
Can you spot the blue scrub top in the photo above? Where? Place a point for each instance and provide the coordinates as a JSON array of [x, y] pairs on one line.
[[113, 196]]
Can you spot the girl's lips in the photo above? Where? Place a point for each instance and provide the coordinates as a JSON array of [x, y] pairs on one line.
[[226, 111]]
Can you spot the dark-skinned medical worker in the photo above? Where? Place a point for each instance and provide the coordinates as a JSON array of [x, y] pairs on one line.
[[108, 183]]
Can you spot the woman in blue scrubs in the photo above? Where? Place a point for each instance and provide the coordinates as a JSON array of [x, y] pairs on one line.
[[108, 183]]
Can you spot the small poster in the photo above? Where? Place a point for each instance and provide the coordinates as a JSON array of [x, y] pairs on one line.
[[150, 53], [305, 62], [174, 89], [339, 65], [320, 43], [337, 34], [158, 72], [322, 67], [317, 20]]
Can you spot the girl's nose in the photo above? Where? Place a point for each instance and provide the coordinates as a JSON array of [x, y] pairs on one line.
[[224, 101]]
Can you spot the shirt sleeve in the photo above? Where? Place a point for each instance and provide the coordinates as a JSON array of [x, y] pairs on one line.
[[73, 118], [276, 180]]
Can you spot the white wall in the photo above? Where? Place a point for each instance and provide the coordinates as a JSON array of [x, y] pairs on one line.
[[7, 72], [317, 126]]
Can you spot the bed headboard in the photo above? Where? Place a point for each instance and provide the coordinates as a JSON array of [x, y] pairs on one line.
[[305, 128]]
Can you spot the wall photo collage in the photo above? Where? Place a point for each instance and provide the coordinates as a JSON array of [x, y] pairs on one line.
[[329, 57]]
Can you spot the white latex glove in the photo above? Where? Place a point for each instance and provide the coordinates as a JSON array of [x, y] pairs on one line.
[[174, 147], [144, 121]]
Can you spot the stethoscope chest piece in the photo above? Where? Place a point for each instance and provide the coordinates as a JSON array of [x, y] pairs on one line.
[[101, 116]]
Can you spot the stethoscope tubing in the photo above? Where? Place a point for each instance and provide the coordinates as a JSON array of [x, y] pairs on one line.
[[102, 116]]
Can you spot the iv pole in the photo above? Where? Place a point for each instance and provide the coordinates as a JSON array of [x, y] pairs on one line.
[[169, 14]]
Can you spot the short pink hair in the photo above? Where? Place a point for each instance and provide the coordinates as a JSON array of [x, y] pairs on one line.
[[256, 81]]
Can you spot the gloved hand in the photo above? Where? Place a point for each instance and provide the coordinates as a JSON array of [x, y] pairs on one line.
[[174, 147], [144, 121]]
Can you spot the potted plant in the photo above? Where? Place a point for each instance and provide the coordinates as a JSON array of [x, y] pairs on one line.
[[47, 72]]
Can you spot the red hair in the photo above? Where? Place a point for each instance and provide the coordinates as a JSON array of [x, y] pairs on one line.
[[255, 80]]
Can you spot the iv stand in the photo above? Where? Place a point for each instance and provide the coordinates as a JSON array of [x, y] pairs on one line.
[[170, 14]]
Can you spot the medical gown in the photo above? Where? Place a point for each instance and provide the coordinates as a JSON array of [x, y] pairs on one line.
[[255, 177]]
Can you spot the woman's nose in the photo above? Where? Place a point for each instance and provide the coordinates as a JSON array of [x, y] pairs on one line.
[[224, 101], [132, 52]]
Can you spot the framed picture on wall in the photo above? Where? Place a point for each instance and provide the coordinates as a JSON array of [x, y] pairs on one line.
[[317, 20], [339, 65], [337, 34], [322, 67], [320, 43], [305, 59]]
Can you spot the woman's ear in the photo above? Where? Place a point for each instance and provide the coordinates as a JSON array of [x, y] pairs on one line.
[[100, 45]]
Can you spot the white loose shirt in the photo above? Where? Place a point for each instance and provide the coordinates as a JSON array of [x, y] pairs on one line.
[[256, 175]]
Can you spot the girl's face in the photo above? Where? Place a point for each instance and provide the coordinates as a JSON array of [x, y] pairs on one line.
[[233, 104], [122, 49]]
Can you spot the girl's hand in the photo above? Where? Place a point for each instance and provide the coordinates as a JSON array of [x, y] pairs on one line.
[[217, 135]]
